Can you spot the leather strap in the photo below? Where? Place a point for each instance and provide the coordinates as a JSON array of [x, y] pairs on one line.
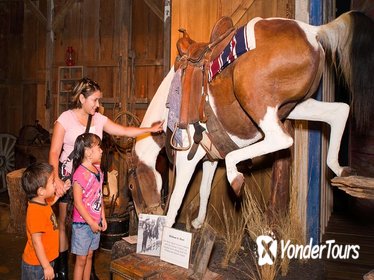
[[204, 97], [197, 137], [86, 131], [218, 134]]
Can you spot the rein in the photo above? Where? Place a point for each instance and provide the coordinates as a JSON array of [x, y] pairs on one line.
[[171, 185], [131, 171]]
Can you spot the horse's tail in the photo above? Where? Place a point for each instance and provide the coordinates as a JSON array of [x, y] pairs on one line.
[[349, 40]]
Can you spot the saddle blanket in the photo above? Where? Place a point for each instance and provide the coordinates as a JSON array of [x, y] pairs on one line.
[[242, 42], [173, 103]]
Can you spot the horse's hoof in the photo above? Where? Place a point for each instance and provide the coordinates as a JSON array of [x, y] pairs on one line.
[[196, 224], [237, 184], [348, 171]]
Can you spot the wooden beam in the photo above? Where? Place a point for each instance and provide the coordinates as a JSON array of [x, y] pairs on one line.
[[149, 62], [203, 253], [167, 35], [35, 10], [153, 5], [61, 15], [358, 186], [241, 10], [49, 55], [280, 184]]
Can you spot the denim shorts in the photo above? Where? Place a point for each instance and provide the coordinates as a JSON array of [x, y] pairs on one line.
[[33, 272], [83, 239]]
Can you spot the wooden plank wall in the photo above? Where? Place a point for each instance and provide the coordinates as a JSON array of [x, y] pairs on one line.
[[328, 89], [198, 18], [98, 31], [102, 33], [11, 101], [147, 50]]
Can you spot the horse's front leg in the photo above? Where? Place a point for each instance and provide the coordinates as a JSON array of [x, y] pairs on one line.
[[184, 170], [209, 169], [336, 115], [275, 139]]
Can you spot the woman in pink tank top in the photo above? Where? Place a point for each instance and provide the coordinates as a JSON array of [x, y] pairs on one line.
[[70, 124]]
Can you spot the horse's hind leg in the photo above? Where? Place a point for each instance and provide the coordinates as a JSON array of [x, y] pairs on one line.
[[205, 187], [275, 139], [336, 115]]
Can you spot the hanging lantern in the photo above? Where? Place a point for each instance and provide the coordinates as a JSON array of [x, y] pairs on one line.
[[69, 59]]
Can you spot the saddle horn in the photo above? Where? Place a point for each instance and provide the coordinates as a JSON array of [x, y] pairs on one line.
[[184, 42]]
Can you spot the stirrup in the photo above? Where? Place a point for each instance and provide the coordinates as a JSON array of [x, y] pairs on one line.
[[176, 146]]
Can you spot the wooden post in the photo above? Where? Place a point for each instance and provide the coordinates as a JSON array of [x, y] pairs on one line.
[[167, 36], [203, 253], [357, 186], [49, 53], [18, 203], [280, 193]]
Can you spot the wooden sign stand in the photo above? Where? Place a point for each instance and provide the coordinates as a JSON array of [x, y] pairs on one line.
[[203, 253]]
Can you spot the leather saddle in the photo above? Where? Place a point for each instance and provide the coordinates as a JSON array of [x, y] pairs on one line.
[[194, 59]]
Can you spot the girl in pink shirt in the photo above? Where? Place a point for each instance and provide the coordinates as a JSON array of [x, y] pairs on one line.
[[88, 214]]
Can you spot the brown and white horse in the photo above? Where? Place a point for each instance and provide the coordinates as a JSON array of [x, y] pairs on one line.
[[252, 97]]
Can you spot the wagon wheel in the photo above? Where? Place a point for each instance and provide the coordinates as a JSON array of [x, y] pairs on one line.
[[127, 119], [7, 158], [123, 145]]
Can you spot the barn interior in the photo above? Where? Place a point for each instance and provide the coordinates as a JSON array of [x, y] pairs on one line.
[[128, 46]]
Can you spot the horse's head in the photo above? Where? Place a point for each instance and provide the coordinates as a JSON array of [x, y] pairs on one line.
[[144, 183]]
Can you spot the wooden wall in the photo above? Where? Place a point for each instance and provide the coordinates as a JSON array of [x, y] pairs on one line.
[[119, 43], [11, 101], [147, 54], [98, 31]]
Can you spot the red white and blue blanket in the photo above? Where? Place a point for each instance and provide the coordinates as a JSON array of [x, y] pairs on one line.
[[237, 46]]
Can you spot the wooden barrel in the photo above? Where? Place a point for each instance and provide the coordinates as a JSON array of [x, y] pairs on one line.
[[118, 227]]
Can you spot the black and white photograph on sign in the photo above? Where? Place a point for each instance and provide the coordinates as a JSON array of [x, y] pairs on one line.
[[150, 229]]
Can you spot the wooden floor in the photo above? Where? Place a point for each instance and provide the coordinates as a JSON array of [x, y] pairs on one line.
[[352, 225]]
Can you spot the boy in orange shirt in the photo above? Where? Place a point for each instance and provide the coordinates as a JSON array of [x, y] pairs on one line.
[[41, 249]]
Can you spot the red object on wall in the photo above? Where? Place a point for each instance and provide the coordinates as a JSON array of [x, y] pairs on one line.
[[69, 59]]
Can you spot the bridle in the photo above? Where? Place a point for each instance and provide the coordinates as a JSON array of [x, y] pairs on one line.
[[132, 174]]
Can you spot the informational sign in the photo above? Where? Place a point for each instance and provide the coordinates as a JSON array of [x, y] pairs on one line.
[[176, 247]]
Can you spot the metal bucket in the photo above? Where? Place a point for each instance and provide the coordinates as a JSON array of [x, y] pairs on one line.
[[118, 227]]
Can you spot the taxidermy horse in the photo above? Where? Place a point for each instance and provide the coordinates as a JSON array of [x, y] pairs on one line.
[[272, 80]]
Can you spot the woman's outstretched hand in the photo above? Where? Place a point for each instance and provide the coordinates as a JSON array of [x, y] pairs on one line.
[[157, 126]]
